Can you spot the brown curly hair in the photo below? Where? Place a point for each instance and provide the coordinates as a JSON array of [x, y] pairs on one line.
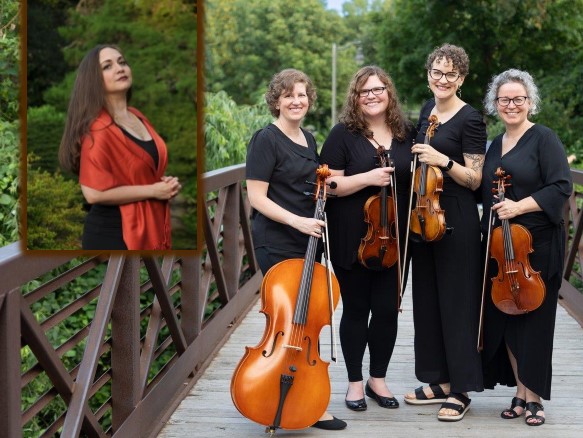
[[457, 55], [283, 82], [351, 114]]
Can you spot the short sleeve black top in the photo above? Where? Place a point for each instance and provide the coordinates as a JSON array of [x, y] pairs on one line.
[[464, 133], [354, 153], [273, 158]]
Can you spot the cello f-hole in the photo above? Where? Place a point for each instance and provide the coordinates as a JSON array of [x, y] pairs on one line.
[[311, 362], [264, 353]]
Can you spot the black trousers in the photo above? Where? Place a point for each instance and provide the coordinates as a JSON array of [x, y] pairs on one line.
[[367, 293]]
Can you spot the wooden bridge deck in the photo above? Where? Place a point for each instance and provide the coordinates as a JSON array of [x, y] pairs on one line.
[[208, 411]]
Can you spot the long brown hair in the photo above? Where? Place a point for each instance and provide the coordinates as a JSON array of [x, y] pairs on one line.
[[86, 102], [351, 114]]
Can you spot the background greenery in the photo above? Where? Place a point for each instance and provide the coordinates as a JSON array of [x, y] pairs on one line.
[[158, 37], [9, 125], [247, 41]]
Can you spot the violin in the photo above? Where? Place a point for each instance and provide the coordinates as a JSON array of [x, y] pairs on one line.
[[427, 218], [282, 382], [380, 247], [517, 289]]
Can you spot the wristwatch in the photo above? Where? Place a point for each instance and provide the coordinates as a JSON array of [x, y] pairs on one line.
[[448, 166]]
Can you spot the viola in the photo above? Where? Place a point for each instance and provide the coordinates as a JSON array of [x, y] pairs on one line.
[[380, 247], [517, 289], [282, 382], [427, 218]]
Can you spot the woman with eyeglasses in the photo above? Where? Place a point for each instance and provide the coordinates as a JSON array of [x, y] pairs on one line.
[[371, 118], [447, 272], [518, 348]]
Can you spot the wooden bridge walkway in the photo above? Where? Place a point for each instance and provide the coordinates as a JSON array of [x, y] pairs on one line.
[[207, 411]]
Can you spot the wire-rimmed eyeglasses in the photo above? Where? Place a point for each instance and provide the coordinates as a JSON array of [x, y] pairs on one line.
[[450, 76], [377, 91], [505, 101]]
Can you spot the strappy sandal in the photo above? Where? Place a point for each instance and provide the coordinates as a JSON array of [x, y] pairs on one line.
[[510, 413], [421, 398], [534, 407], [460, 409]]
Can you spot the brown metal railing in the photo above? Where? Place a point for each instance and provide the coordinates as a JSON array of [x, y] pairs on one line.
[[570, 294], [154, 323]]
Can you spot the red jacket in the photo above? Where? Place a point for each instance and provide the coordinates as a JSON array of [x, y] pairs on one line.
[[109, 159]]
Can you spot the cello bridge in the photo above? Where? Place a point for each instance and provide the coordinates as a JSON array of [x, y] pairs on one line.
[[292, 347]]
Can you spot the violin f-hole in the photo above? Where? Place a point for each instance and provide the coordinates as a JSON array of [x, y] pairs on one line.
[[311, 362]]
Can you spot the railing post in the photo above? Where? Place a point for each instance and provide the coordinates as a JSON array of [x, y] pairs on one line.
[[125, 345], [231, 251], [10, 416]]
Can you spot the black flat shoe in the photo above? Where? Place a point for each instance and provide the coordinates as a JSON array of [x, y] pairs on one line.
[[356, 405], [333, 424], [384, 402]]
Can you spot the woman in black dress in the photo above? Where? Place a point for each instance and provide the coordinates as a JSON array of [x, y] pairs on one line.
[[446, 273], [518, 348], [371, 117], [280, 159]]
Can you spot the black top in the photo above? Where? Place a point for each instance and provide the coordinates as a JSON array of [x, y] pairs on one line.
[[148, 145], [354, 153], [273, 158], [538, 167], [464, 133]]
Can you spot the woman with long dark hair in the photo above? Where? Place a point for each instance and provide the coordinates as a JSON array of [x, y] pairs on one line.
[[119, 157]]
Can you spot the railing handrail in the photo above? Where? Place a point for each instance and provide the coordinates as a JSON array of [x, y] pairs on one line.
[[140, 405]]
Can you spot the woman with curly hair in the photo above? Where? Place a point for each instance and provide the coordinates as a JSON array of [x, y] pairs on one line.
[[371, 118], [447, 272]]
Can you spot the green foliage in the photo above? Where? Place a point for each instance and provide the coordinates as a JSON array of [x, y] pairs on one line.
[[9, 59], [248, 41], [43, 135], [9, 125], [54, 211], [228, 129], [9, 158]]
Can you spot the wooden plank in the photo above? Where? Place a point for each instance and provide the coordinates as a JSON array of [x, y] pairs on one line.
[[209, 412]]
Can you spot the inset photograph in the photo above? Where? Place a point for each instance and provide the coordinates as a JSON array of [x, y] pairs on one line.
[[111, 126]]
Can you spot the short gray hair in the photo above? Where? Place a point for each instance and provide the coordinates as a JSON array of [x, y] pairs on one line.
[[512, 75]]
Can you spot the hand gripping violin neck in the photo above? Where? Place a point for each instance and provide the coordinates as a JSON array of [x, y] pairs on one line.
[[428, 219], [282, 382], [517, 289]]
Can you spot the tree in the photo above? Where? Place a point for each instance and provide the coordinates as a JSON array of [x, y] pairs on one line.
[[228, 129], [248, 41]]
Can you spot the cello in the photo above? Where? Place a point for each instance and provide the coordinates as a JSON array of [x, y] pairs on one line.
[[282, 382], [517, 289], [427, 218]]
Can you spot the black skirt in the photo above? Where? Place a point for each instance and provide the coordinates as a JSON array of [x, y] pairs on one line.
[[102, 230]]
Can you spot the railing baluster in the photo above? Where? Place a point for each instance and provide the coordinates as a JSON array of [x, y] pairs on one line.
[[125, 345], [74, 417], [10, 364]]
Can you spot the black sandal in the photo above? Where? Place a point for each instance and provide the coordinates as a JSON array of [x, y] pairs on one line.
[[510, 413], [421, 398], [534, 407], [460, 409]]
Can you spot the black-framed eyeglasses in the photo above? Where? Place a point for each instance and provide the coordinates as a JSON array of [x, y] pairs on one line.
[[377, 91], [505, 101], [450, 76]]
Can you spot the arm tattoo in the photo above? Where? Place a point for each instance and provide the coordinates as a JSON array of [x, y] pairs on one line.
[[474, 175]]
